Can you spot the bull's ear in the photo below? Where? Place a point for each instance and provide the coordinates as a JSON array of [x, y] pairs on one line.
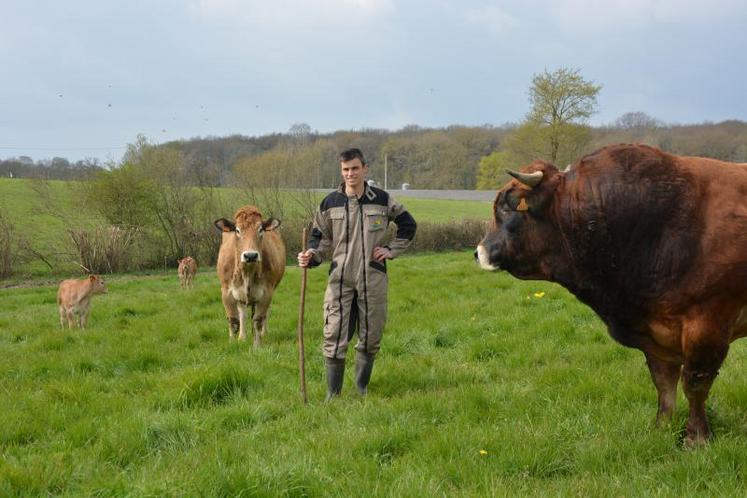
[[223, 225], [271, 224]]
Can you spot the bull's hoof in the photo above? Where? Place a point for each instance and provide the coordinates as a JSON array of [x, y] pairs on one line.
[[695, 441], [663, 420], [697, 437]]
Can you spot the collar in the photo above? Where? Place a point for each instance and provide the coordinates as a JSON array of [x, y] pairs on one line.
[[367, 191]]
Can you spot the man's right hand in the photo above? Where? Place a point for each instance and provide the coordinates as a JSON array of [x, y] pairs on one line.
[[304, 258]]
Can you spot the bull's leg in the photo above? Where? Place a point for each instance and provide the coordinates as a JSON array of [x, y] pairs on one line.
[[704, 350], [62, 317], [232, 313], [665, 376]]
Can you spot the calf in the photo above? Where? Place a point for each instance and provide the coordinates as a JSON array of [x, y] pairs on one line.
[[74, 299], [251, 263], [187, 270]]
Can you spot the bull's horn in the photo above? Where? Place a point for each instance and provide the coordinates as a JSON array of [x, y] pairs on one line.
[[528, 179]]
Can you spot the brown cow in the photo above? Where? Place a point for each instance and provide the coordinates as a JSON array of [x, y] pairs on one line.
[[187, 270], [74, 299], [251, 263], [655, 244]]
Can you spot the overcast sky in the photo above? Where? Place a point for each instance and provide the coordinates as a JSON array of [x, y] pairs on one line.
[[83, 78]]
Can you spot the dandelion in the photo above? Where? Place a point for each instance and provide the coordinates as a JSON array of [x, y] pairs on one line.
[[539, 294], [483, 452]]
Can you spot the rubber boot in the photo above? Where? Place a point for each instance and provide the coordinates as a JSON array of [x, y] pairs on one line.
[[364, 363], [335, 376]]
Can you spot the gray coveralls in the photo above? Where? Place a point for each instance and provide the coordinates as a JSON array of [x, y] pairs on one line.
[[356, 297]]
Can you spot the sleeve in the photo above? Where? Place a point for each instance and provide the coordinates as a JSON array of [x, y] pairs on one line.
[[320, 240], [406, 227]]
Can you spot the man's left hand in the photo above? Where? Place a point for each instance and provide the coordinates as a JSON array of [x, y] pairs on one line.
[[381, 253]]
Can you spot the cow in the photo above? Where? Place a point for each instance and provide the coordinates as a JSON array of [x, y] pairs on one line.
[[251, 263], [187, 270], [74, 299], [655, 244]]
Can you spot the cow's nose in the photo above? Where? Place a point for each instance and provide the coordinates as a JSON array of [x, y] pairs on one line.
[[249, 256]]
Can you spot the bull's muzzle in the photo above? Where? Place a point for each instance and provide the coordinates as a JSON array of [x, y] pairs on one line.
[[482, 257]]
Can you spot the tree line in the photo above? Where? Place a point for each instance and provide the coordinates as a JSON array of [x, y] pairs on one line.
[[426, 158]]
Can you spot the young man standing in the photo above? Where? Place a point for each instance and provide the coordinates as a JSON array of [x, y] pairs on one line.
[[351, 224]]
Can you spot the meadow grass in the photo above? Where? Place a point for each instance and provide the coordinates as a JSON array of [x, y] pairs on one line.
[[484, 387]]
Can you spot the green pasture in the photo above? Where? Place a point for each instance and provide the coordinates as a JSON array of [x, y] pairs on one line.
[[485, 386]]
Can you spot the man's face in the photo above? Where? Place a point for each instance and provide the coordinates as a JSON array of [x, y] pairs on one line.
[[354, 173]]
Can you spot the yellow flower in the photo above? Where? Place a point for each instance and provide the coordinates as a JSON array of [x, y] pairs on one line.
[[483, 452], [539, 294]]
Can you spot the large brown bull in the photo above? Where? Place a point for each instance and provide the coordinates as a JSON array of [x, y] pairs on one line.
[[655, 244], [251, 263]]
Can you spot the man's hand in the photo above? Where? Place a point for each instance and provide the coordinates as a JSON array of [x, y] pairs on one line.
[[381, 253], [304, 258]]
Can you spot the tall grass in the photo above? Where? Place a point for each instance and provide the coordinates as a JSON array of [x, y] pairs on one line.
[[482, 388]]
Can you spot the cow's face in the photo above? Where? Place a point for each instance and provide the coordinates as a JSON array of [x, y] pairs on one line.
[[97, 284], [523, 238], [249, 230]]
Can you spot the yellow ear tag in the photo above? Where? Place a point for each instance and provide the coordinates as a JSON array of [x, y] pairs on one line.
[[523, 206]]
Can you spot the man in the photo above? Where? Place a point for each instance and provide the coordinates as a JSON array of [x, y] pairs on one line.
[[351, 223]]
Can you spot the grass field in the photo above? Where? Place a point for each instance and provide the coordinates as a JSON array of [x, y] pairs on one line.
[[484, 387]]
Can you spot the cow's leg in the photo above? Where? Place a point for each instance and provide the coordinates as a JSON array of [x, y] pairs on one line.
[[665, 376], [243, 320], [83, 318], [71, 320], [62, 317], [259, 319], [704, 347], [232, 313]]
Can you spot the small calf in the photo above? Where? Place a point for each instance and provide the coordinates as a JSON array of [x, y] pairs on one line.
[[74, 298], [187, 271]]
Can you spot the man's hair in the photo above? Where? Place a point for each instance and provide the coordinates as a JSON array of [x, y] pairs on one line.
[[350, 154]]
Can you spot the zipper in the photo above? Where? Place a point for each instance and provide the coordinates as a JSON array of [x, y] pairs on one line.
[[363, 263]]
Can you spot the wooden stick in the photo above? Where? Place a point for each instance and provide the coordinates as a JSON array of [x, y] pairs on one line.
[[301, 355]]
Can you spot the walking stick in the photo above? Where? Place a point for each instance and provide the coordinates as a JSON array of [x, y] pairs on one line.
[[301, 356]]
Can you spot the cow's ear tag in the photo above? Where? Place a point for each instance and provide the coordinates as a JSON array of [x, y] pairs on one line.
[[523, 206]]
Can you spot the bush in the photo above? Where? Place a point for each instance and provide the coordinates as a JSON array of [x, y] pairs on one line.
[[7, 249], [107, 249]]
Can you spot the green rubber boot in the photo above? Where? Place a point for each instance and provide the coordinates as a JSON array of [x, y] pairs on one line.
[[335, 376], [364, 363]]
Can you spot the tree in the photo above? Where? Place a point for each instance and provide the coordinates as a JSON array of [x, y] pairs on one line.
[[636, 121], [491, 172], [559, 100]]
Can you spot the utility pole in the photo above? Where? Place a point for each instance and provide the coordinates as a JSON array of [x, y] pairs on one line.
[[385, 172]]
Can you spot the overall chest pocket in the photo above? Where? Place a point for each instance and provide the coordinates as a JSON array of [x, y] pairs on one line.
[[375, 221]]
